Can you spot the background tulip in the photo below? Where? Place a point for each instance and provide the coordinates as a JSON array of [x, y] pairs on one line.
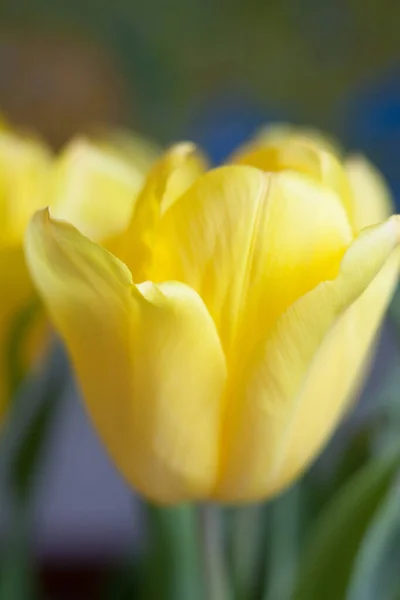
[[24, 165], [224, 373], [94, 185]]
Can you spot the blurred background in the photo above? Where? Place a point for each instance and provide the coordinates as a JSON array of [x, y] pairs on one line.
[[212, 71]]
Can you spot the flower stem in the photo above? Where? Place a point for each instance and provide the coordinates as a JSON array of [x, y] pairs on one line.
[[215, 576], [172, 570]]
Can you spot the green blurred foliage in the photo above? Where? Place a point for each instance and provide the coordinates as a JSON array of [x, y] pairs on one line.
[[304, 56], [338, 557]]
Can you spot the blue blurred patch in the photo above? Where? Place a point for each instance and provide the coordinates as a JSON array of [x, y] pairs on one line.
[[372, 125], [225, 123]]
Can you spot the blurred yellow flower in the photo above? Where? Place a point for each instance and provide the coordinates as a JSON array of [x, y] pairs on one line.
[[24, 164], [220, 343], [92, 185]]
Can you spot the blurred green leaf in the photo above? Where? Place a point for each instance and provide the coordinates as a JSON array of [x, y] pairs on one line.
[[329, 560], [15, 344], [124, 581], [17, 576], [27, 459], [347, 455], [394, 313], [376, 569], [22, 446], [394, 594], [26, 431]]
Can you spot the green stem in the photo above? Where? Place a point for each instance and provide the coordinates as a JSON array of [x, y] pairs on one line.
[[172, 566], [215, 573], [247, 545], [284, 545]]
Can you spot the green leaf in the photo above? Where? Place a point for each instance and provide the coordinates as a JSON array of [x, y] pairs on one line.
[[17, 576], [22, 445], [124, 581], [339, 532], [376, 569], [15, 344], [394, 594], [26, 430]]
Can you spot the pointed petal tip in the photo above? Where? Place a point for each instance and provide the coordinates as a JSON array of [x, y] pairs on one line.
[[184, 151], [43, 219], [184, 148], [39, 219]]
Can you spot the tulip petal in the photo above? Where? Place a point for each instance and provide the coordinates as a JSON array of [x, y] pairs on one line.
[[246, 240], [291, 393], [95, 188], [282, 151], [136, 149], [280, 132], [24, 168], [170, 177], [371, 197], [147, 357]]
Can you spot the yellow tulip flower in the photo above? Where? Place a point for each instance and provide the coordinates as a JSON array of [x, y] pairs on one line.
[[24, 164], [92, 185], [219, 345]]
